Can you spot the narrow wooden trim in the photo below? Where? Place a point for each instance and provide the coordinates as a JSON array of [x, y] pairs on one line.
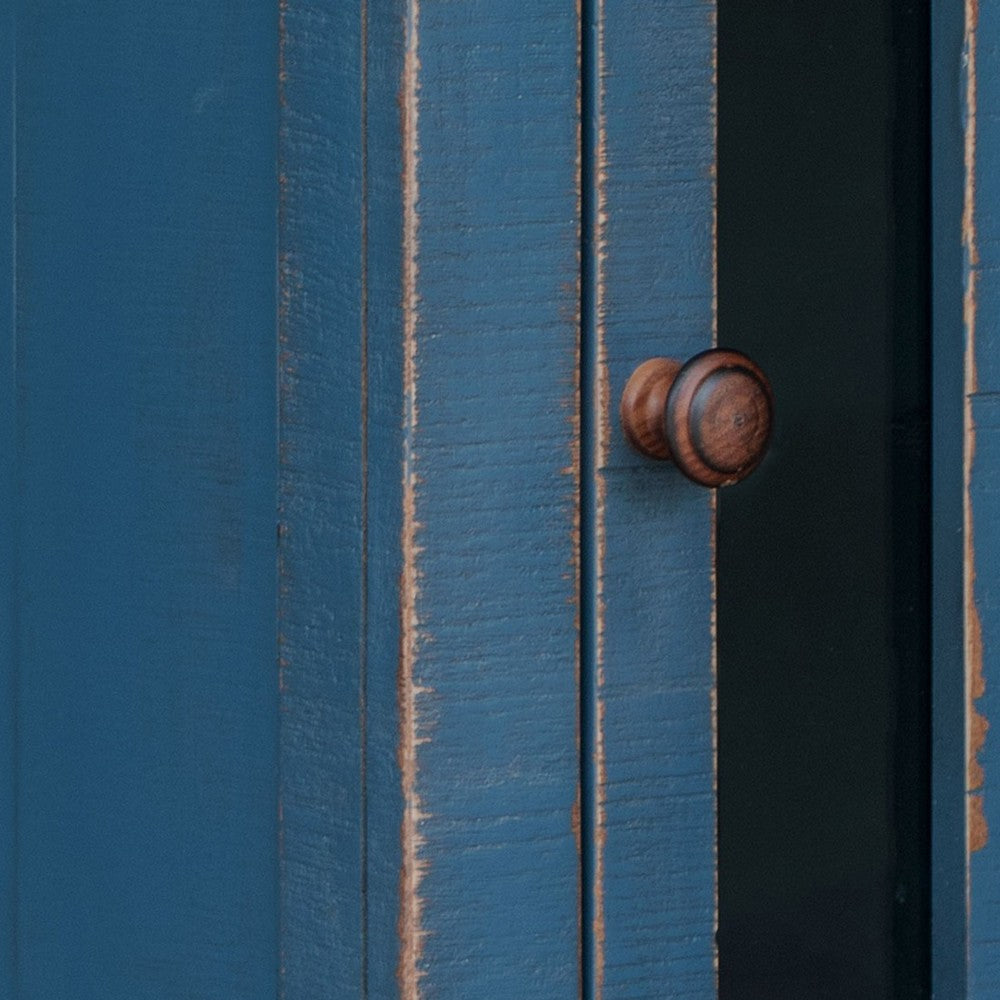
[[949, 918]]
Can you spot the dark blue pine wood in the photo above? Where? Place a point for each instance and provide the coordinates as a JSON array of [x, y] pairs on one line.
[[143, 508], [316, 268], [429, 478], [321, 502], [648, 667], [487, 671]]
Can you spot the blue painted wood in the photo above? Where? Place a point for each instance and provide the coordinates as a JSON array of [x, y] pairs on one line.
[[648, 665], [428, 497], [984, 862], [422, 602], [487, 672], [981, 241], [321, 614], [145, 500], [384, 28], [949, 748], [8, 440]]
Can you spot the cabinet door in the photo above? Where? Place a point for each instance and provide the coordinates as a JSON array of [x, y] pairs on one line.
[[348, 649], [528, 808], [338, 656]]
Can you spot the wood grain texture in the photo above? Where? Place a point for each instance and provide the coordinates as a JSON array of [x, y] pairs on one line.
[[145, 500], [322, 500], [384, 67], [341, 493], [649, 675], [981, 240], [489, 888]]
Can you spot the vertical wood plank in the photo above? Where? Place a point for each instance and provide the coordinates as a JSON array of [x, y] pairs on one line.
[[949, 756], [321, 568], [650, 675], [488, 686], [981, 241], [429, 237], [384, 151], [145, 503]]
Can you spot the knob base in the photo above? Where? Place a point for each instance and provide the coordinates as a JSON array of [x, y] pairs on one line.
[[643, 404]]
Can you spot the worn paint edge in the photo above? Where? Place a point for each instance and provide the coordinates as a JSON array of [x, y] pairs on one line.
[[410, 926], [595, 436], [976, 724]]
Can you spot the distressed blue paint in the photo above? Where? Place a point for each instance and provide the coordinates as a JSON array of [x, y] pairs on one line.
[[321, 500], [492, 445], [145, 501], [984, 490], [384, 431], [948, 758], [984, 865], [656, 572]]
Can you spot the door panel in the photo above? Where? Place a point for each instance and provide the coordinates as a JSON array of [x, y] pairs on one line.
[[430, 291], [648, 532], [487, 676]]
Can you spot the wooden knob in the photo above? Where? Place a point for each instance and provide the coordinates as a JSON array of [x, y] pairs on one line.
[[712, 416]]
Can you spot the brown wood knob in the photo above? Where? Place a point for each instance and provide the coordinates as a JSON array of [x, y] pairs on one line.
[[712, 415]]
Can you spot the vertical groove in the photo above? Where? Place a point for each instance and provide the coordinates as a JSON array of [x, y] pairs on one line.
[[593, 439]]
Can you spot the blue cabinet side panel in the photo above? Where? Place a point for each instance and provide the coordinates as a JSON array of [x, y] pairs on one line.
[[488, 655], [145, 499], [982, 455], [650, 669]]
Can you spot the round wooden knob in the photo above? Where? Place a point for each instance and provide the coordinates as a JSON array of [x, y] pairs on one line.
[[711, 416]]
